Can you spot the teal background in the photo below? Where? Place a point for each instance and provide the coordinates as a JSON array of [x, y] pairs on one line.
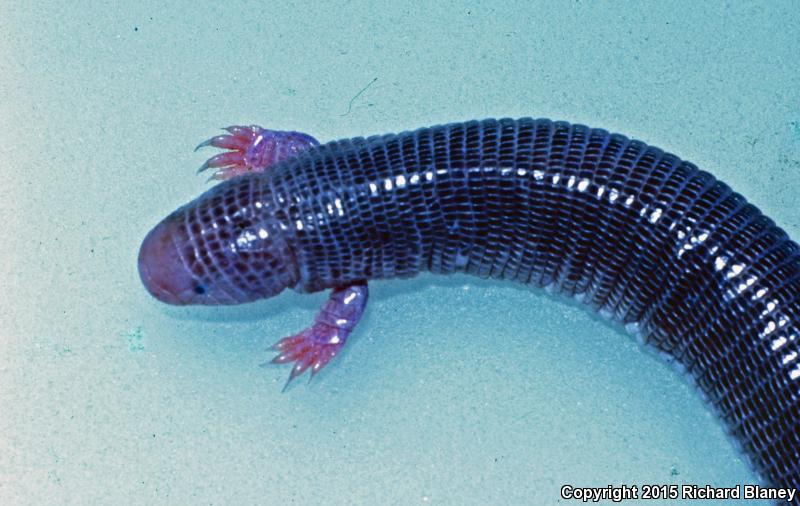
[[452, 391]]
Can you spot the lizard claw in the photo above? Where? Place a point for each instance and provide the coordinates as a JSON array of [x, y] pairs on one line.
[[252, 149], [315, 346], [226, 142], [223, 162], [312, 348]]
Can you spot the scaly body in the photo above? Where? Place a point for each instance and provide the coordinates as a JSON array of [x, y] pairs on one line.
[[634, 233]]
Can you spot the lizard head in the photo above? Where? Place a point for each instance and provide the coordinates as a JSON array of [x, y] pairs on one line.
[[225, 247]]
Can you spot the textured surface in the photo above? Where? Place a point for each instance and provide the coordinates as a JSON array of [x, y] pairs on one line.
[[633, 232], [453, 390]]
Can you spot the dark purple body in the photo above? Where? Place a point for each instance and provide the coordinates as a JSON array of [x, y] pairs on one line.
[[631, 231]]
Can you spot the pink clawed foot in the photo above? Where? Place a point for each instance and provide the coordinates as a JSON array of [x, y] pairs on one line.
[[312, 348], [315, 346], [252, 149]]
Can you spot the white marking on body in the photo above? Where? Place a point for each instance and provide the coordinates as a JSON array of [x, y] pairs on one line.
[[777, 343], [245, 238], [736, 269], [771, 305], [655, 215]]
